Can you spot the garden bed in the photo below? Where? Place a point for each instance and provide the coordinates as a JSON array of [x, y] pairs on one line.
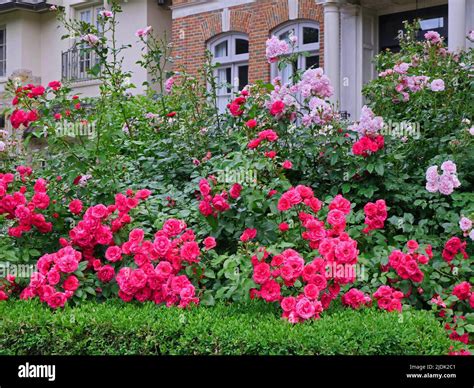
[[115, 328]]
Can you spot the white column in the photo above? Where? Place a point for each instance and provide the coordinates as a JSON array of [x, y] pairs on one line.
[[457, 25], [332, 61], [351, 45]]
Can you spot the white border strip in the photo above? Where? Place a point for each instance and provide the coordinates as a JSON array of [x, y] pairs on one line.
[[207, 6]]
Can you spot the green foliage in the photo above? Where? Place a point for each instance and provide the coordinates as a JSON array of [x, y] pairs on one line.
[[253, 329]]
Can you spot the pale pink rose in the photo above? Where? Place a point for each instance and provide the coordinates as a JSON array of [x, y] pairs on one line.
[[448, 167], [437, 85], [432, 187], [465, 224], [142, 32], [106, 14], [91, 39], [446, 186]]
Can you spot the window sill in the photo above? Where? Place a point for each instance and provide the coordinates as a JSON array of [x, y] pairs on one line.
[[79, 84]]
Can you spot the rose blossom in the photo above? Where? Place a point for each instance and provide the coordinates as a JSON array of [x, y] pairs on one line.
[[437, 85], [142, 32], [465, 224]]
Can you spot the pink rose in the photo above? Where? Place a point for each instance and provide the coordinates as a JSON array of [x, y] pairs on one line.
[[75, 207], [209, 243], [304, 308], [190, 251]]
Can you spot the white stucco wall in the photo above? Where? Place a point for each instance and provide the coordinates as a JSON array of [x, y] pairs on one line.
[[34, 40]]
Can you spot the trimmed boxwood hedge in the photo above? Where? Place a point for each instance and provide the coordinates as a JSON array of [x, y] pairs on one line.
[[116, 328]]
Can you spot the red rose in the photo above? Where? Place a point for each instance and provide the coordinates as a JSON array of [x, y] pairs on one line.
[[252, 123], [209, 243], [249, 234], [75, 207], [235, 191], [277, 108]]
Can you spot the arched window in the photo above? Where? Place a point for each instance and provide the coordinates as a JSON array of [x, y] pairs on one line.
[[307, 34], [231, 52]]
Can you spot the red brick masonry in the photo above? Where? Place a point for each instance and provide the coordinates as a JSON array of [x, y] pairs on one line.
[[191, 34]]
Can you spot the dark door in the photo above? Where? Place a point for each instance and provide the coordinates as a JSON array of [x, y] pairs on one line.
[[432, 19]]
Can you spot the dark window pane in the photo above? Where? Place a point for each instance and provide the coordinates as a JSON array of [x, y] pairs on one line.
[[241, 46], [310, 35], [312, 61], [285, 35], [1, 37], [243, 76], [221, 50], [228, 76]]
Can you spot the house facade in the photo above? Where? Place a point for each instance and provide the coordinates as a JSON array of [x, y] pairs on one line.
[[31, 47], [342, 36]]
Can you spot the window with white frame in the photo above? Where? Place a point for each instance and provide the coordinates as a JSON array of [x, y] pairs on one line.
[[86, 59], [3, 52], [307, 46], [90, 15], [231, 53]]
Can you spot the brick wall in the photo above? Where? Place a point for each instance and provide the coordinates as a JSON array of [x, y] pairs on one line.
[[191, 34]]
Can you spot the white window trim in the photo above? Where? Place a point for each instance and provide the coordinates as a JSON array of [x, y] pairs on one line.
[[311, 48], [3, 46], [94, 9], [232, 61]]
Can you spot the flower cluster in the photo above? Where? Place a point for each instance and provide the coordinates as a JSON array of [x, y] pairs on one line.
[[282, 100], [298, 195], [314, 83], [311, 285], [276, 48], [406, 84], [100, 222], [55, 282], [375, 215], [433, 37], [406, 265], [314, 87], [169, 83], [286, 268], [452, 247], [16, 206], [388, 298], [463, 290], [355, 299], [173, 248], [444, 183], [320, 112], [268, 135], [366, 144], [369, 126], [236, 105], [212, 204], [8, 286]]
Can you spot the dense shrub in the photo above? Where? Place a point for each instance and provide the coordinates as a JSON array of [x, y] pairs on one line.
[[253, 328], [254, 179]]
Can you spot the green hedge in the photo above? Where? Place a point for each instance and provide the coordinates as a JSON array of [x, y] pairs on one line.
[[27, 328]]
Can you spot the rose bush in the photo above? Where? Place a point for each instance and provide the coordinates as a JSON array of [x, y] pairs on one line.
[[277, 198]]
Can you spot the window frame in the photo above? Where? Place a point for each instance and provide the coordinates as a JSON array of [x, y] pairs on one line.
[[3, 47], [94, 11], [86, 59], [231, 61], [311, 48]]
